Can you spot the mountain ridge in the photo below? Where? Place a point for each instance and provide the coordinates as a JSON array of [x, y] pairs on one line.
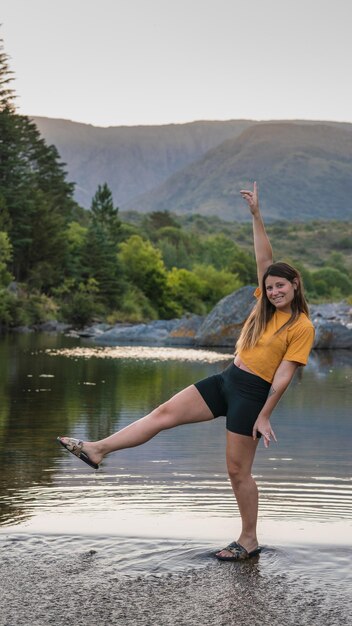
[[304, 167], [131, 159], [305, 172]]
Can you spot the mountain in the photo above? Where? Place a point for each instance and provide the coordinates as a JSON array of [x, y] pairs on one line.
[[304, 170], [131, 159]]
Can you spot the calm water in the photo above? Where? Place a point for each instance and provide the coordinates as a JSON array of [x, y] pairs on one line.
[[166, 505]]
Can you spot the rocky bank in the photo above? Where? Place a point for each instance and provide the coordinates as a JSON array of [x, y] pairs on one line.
[[221, 327]]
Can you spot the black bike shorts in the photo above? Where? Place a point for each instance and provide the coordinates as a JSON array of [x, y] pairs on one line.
[[237, 394]]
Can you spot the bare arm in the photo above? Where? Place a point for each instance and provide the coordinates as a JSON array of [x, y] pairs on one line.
[[281, 381], [262, 246]]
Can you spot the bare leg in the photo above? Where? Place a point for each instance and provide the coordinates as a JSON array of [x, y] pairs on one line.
[[185, 407], [240, 451]]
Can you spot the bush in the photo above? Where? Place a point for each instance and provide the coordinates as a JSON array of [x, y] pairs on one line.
[[135, 308], [187, 291], [25, 309], [332, 283], [5, 259], [79, 309], [9, 315], [79, 302]]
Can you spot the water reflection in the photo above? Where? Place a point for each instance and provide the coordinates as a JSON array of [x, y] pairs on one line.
[[181, 474]]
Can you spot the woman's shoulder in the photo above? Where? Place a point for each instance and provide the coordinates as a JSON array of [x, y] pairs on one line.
[[304, 321], [301, 324]]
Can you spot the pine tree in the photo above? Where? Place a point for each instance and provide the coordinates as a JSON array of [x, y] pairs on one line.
[[105, 214], [101, 263], [36, 201], [7, 94]]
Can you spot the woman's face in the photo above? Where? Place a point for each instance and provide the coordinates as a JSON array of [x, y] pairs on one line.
[[280, 292]]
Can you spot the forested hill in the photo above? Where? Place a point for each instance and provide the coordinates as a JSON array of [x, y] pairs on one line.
[[305, 171], [131, 159]]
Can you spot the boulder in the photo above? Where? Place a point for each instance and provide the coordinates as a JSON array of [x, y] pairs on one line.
[[157, 331], [332, 322], [95, 330], [185, 331], [52, 326], [223, 324], [333, 325]]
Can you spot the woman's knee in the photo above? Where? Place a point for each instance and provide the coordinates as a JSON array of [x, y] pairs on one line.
[[164, 416], [238, 471]]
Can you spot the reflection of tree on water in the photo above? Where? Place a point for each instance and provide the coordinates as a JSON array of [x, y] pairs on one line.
[[31, 419], [35, 410]]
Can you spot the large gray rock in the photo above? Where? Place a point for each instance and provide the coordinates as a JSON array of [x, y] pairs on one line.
[[332, 322], [185, 331], [95, 330], [157, 331], [223, 324], [52, 326], [333, 325]]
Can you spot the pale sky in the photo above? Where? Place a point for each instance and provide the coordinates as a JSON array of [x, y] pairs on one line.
[[129, 62]]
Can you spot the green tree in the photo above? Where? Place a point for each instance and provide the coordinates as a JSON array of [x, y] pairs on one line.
[[223, 254], [187, 291], [156, 220], [35, 200], [76, 235], [144, 268], [7, 94], [100, 262], [217, 283], [177, 247], [5, 259], [105, 214], [332, 283]]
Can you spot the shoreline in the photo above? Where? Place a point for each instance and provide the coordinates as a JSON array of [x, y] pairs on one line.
[[50, 583]]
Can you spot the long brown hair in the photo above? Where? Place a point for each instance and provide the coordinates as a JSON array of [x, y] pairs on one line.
[[264, 310]]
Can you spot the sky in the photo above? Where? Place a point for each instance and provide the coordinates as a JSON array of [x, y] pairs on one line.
[[131, 62]]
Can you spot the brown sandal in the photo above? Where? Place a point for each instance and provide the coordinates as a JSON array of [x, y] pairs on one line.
[[75, 447]]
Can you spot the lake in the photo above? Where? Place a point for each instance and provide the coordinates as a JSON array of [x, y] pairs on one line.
[[161, 509]]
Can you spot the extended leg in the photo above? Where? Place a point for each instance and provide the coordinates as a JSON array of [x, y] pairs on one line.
[[240, 451], [185, 407]]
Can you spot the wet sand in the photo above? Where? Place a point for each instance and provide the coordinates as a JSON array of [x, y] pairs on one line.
[[53, 581]]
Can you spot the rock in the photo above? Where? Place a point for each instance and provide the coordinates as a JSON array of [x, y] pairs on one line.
[[95, 330], [157, 331], [333, 325], [185, 331], [23, 330], [52, 326], [223, 324]]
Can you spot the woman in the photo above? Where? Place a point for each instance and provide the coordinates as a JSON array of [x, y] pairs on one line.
[[275, 340]]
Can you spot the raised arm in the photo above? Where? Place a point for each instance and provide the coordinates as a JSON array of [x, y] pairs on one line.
[[262, 246]]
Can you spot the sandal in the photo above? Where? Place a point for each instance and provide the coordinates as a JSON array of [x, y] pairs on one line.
[[239, 553], [75, 447]]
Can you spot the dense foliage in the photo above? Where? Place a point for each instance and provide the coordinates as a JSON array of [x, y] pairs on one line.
[[60, 261]]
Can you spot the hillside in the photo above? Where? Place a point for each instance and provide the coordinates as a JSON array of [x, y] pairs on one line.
[[132, 160], [304, 170]]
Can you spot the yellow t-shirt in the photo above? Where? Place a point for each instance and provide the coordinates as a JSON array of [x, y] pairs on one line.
[[294, 343]]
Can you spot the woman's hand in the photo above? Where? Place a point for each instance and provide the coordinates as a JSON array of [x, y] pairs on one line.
[[262, 425], [251, 197]]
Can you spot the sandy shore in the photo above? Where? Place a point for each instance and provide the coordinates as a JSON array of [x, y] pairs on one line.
[[39, 588]]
